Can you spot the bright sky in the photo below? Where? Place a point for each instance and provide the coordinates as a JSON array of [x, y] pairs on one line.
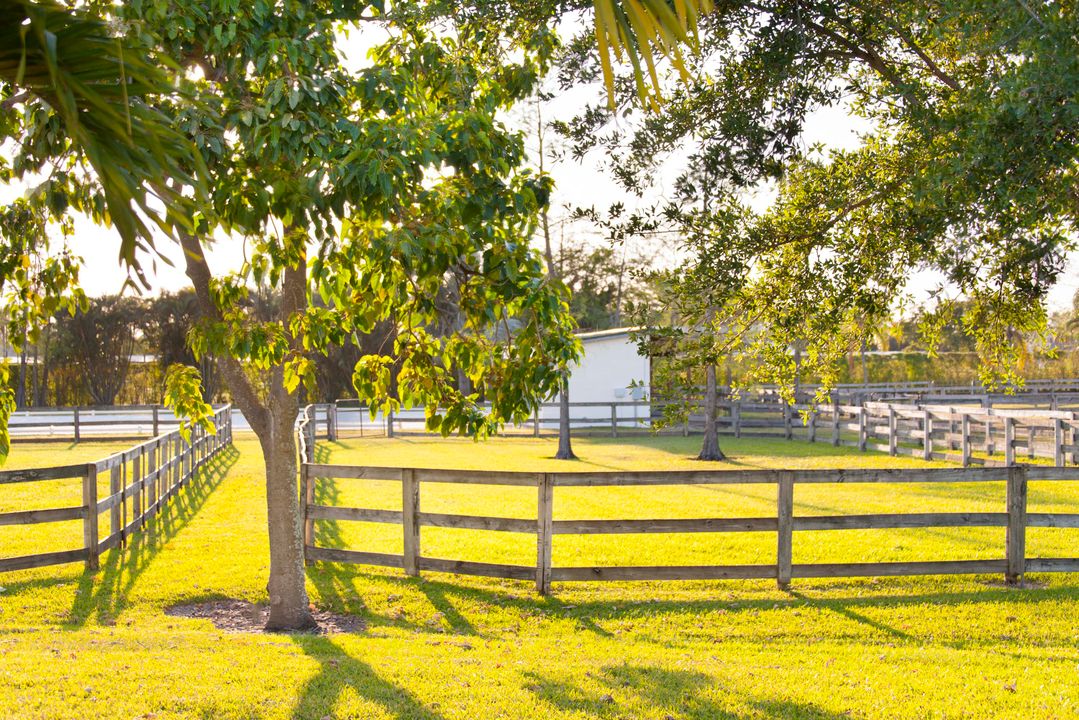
[[577, 185]]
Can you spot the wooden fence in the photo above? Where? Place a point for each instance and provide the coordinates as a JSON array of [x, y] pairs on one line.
[[1014, 517], [91, 422], [141, 481]]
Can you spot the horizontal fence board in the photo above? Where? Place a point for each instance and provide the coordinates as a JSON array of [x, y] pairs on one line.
[[25, 562], [672, 477], [1053, 520], [35, 474], [900, 520], [478, 477], [1052, 565], [353, 472], [110, 542], [889, 569], [613, 527], [354, 556], [33, 517], [664, 572], [465, 567], [329, 512], [477, 522]]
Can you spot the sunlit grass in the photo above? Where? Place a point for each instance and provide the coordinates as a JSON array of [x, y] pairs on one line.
[[74, 645]]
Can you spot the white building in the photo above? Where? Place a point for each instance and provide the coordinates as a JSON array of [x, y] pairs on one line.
[[610, 364]]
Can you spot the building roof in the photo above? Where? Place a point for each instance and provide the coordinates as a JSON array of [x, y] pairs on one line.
[[613, 332]]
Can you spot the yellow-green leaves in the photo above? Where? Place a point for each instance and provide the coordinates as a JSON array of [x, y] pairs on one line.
[[639, 31], [183, 395]]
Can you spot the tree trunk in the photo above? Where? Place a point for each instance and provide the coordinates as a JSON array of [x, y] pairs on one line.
[[289, 609], [710, 447], [565, 448]]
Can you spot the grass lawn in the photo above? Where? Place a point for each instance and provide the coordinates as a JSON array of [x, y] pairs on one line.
[[74, 645]]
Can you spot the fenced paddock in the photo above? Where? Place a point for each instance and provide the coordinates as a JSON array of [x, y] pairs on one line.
[[110, 498], [537, 520]]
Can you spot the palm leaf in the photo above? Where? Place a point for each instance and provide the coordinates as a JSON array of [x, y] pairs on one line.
[[643, 30], [105, 94]]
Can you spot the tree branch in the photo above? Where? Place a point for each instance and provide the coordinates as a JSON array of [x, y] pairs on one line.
[[231, 370]]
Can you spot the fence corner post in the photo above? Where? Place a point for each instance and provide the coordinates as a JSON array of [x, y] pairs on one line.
[[410, 521], [544, 531], [89, 521], [785, 528], [1017, 523]]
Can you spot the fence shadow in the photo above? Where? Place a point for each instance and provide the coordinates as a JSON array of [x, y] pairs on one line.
[[680, 692], [103, 595]]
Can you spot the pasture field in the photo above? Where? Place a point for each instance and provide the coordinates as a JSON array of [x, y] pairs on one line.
[[76, 645]]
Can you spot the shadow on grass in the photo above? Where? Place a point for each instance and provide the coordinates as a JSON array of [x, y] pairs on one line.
[[462, 601], [624, 689], [104, 594], [339, 671]]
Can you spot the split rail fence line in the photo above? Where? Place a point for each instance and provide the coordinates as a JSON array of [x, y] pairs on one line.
[[1014, 517], [142, 480]]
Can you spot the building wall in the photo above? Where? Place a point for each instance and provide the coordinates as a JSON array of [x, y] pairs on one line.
[[608, 365]]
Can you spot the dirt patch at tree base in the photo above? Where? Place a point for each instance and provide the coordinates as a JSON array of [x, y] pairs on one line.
[[240, 616]]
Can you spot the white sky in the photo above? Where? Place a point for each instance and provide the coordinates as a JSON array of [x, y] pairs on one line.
[[577, 185]]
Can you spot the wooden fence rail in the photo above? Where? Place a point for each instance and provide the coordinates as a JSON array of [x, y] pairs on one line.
[[967, 434], [1014, 517], [141, 481]]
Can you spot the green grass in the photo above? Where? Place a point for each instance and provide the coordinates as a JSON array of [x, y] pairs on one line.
[[74, 645]]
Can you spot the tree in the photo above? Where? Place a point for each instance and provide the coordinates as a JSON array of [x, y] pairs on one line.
[[171, 317], [364, 190], [98, 340], [968, 168]]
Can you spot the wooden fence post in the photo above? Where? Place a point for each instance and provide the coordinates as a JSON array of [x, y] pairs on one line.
[[308, 484], [863, 430], [136, 498], [535, 422], [964, 425], [1009, 441], [389, 424], [614, 420], [1017, 523], [990, 448], [1071, 440], [835, 424], [736, 411], [1058, 442], [812, 430], [89, 521], [544, 531], [157, 422], [927, 435], [410, 515], [154, 471], [788, 431], [116, 485], [785, 528], [893, 443], [77, 436]]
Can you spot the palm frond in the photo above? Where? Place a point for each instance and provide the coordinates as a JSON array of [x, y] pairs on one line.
[[642, 30], [104, 90]]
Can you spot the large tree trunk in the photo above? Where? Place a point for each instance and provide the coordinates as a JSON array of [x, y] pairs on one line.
[[710, 447], [289, 609], [565, 448]]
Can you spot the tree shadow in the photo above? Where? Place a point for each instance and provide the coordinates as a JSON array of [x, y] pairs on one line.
[[679, 693], [337, 671], [103, 595]]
